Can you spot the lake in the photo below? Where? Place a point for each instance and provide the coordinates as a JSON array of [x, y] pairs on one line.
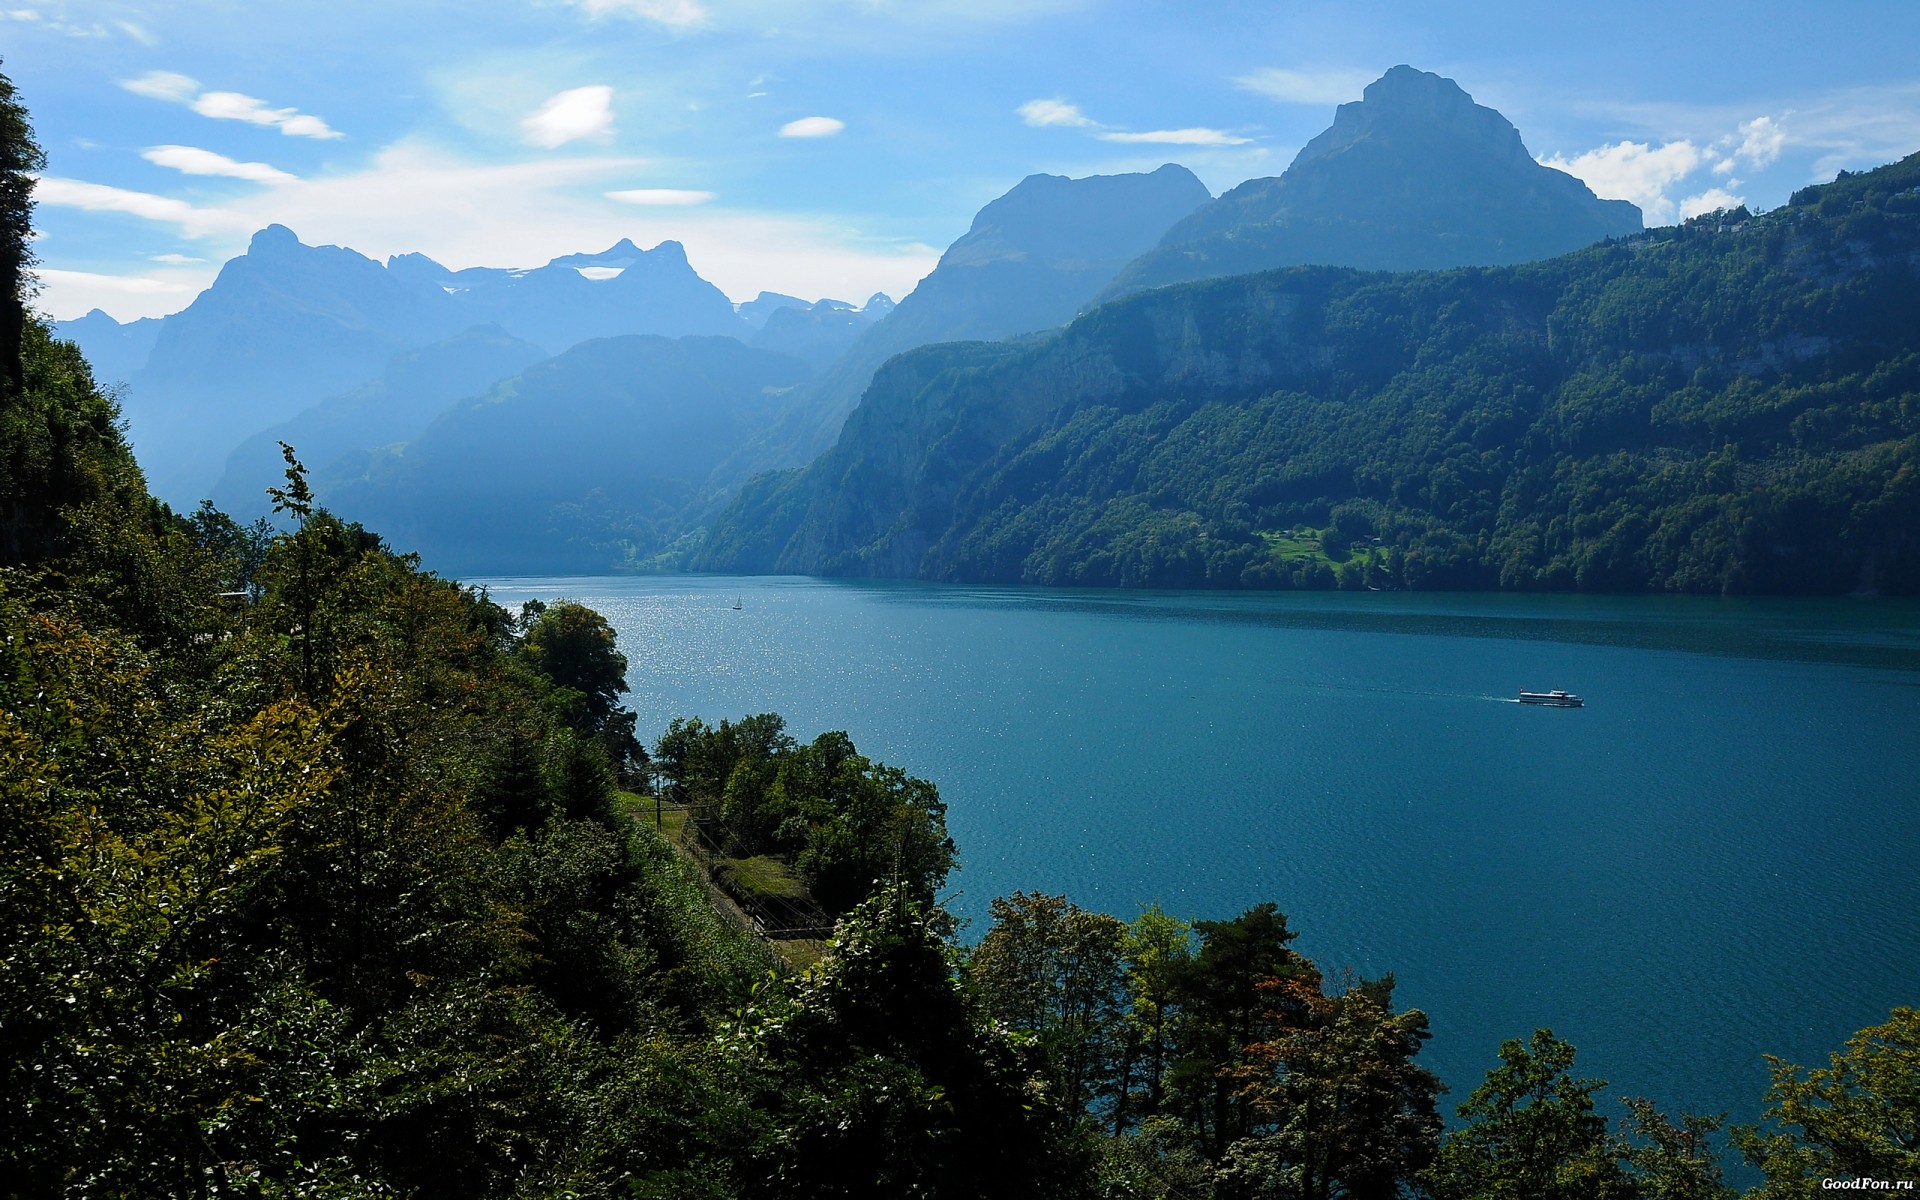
[[1713, 860]]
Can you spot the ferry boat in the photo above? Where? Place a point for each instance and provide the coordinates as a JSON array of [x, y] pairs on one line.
[[1556, 699]]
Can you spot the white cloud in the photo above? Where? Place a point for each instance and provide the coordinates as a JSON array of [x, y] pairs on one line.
[[96, 197], [1041, 113], [190, 160], [1306, 87], [812, 127], [660, 197], [67, 294], [137, 33], [1761, 141], [164, 85], [177, 260], [1635, 171], [675, 13], [582, 112], [1177, 137], [227, 106], [236, 106], [1711, 200]]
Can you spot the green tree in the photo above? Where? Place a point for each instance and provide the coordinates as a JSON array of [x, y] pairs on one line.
[[1531, 1133], [1342, 1108], [1230, 1007], [1857, 1117], [885, 1079], [1056, 971]]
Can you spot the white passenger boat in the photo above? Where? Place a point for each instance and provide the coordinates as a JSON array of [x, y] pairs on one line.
[[1556, 699]]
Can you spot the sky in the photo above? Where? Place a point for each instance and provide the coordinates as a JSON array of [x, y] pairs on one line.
[[833, 148]]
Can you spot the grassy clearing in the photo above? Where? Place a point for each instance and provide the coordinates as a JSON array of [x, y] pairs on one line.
[[1302, 545], [760, 876]]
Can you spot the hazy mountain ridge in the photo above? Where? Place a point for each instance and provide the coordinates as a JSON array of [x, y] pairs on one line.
[[395, 406], [1030, 261], [581, 462], [286, 326], [1416, 176], [1706, 409]]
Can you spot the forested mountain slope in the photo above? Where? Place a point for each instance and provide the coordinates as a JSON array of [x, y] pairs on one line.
[[1731, 405]]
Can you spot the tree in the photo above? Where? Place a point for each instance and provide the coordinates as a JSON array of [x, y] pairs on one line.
[[20, 158], [573, 646], [885, 1079], [1859, 1116], [1158, 949], [1055, 970], [1230, 1007], [1666, 1161], [1344, 1110], [1531, 1133]]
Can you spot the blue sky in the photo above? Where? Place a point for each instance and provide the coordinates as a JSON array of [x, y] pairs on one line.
[[833, 147]]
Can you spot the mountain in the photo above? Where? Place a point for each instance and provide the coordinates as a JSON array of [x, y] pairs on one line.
[[582, 462], [1721, 407], [1415, 176], [1031, 260], [397, 405], [820, 332], [576, 297], [115, 351], [286, 325]]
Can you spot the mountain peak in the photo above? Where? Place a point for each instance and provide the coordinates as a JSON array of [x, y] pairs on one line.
[[1405, 96], [273, 240]]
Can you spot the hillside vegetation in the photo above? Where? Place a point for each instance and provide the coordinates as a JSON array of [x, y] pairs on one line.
[[1732, 405]]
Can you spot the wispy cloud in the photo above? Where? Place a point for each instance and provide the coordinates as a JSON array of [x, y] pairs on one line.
[[1041, 113], [812, 127], [660, 197], [1306, 87], [191, 160], [177, 260], [674, 13], [1177, 137], [164, 85], [1057, 112], [97, 197], [237, 106], [228, 106], [582, 112]]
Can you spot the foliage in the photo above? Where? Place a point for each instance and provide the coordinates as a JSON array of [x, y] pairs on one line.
[[848, 825], [1858, 1117]]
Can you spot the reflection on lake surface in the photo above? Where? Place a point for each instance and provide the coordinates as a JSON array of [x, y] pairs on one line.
[[1714, 859]]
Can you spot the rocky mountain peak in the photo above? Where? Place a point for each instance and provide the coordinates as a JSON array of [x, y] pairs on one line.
[[1406, 97]]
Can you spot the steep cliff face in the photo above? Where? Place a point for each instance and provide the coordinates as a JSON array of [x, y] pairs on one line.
[[1415, 176], [1721, 407]]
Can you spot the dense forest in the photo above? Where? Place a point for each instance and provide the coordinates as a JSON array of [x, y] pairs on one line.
[[321, 876], [1728, 406]]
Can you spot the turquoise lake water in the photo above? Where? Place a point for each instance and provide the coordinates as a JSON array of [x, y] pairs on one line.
[[1715, 859]]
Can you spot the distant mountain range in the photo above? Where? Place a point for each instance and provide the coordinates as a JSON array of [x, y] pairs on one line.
[[582, 462], [288, 326], [406, 385]]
